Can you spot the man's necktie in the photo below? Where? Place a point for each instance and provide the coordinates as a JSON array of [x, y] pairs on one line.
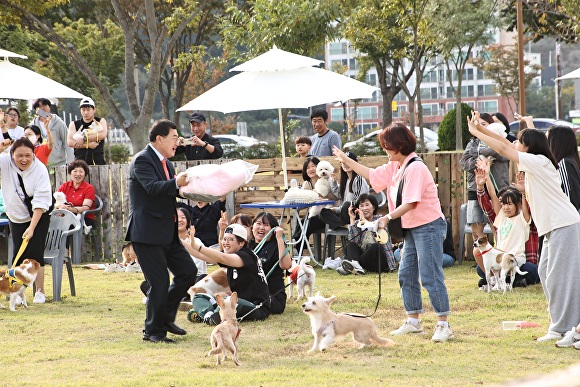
[[164, 163]]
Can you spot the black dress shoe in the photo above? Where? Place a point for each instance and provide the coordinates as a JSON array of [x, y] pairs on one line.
[[172, 328], [158, 339]]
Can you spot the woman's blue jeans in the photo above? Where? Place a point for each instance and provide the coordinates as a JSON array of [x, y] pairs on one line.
[[422, 258]]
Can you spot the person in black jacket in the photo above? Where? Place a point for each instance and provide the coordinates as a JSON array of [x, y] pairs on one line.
[[562, 143], [204, 146], [205, 217]]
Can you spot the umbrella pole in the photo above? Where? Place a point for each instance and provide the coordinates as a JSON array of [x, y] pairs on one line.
[[283, 141]]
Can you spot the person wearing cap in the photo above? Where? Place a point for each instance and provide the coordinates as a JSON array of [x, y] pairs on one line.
[[244, 272], [204, 146], [61, 153], [10, 129], [153, 231], [87, 135]]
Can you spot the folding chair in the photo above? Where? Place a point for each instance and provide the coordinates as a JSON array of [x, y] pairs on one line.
[[78, 236]]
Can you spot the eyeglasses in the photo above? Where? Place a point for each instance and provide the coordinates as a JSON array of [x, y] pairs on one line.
[[228, 240], [12, 115]]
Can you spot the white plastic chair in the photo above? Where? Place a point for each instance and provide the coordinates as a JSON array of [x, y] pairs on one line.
[[78, 236]]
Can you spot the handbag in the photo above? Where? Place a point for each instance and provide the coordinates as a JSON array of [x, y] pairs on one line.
[[395, 226]]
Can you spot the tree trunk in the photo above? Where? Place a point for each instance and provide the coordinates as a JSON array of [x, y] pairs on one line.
[[458, 119]]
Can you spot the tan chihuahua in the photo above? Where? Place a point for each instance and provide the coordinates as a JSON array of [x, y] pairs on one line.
[[225, 335]]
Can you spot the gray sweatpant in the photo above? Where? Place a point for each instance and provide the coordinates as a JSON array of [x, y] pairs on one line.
[[559, 271]]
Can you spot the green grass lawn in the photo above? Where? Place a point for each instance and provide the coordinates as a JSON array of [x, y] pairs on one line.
[[94, 339]]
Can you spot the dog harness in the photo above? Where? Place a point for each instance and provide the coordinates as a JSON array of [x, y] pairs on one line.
[[12, 279]]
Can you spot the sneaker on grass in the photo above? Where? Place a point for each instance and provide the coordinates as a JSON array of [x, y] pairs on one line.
[[407, 327], [570, 338], [551, 335], [442, 333], [39, 297], [352, 267]]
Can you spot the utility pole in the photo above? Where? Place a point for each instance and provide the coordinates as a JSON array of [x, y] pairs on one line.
[[558, 84], [521, 74]]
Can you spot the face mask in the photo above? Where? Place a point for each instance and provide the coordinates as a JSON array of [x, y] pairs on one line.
[[32, 139]]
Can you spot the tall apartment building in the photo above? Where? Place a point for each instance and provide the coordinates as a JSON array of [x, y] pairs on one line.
[[436, 95]]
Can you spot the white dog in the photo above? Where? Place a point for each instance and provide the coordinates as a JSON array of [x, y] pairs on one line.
[[322, 187], [326, 325], [499, 263], [59, 197], [302, 275]]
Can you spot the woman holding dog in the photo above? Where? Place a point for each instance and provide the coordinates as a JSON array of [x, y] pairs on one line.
[[421, 217], [244, 272], [363, 247], [28, 198], [555, 217], [274, 255]]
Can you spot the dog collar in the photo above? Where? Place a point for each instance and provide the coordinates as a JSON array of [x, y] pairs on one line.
[[483, 252]]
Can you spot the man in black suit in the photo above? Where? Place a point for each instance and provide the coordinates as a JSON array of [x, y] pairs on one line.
[[152, 229]]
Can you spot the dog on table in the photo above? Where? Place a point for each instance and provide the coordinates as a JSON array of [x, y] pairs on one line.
[[13, 282], [499, 263], [224, 337], [212, 284], [322, 187], [326, 325], [301, 275]]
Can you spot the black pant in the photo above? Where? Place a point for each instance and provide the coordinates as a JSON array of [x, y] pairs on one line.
[[35, 248], [163, 297], [278, 303], [369, 258], [334, 219]]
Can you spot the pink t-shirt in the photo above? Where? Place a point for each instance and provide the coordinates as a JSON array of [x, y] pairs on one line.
[[418, 187]]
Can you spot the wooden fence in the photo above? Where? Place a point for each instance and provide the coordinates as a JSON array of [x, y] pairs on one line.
[[110, 182]]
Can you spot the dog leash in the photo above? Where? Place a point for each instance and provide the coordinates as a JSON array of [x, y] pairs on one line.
[[20, 251]]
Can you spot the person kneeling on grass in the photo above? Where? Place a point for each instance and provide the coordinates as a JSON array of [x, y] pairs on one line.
[[245, 276]]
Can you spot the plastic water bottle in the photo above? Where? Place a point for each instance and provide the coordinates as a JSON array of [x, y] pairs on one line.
[[293, 183]]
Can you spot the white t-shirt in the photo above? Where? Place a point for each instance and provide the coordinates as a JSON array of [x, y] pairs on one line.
[[550, 207], [512, 234]]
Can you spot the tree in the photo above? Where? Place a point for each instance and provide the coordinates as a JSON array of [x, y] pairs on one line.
[[372, 30], [557, 18], [541, 103], [462, 25], [134, 18], [500, 63], [302, 27]]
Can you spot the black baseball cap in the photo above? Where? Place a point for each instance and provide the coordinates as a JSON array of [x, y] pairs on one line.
[[197, 117]]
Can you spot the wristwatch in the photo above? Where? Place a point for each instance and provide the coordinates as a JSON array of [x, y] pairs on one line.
[[389, 217], [205, 145]]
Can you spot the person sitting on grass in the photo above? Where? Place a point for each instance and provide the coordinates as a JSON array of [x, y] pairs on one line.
[[274, 255], [245, 276], [363, 252], [512, 226]]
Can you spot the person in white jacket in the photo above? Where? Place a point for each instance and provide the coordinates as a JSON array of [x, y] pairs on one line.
[[27, 197]]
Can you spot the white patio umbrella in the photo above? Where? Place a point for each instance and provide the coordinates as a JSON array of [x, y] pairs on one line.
[[275, 80], [571, 75], [17, 82]]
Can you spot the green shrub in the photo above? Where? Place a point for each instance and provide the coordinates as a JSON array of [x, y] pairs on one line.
[[447, 128], [117, 154]]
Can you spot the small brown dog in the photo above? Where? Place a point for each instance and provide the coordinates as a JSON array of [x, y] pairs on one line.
[[128, 254], [13, 282], [326, 325], [225, 335]]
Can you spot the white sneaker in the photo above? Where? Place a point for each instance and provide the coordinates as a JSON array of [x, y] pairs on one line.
[[332, 264], [551, 335], [407, 327], [144, 300], [442, 333], [352, 267], [340, 270], [133, 268], [114, 268], [570, 338], [39, 298]]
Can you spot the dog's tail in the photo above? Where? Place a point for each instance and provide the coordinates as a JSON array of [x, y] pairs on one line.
[[383, 341], [309, 270], [520, 272]]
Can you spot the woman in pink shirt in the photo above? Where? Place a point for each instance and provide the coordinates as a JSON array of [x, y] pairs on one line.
[[421, 217]]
